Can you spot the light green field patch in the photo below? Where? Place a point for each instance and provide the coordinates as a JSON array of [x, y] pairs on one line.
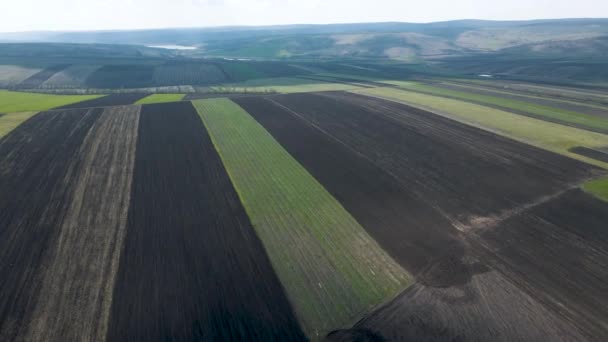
[[12, 101], [547, 135], [289, 85], [598, 188], [160, 98], [10, 121], [332, 270], [540, 111]]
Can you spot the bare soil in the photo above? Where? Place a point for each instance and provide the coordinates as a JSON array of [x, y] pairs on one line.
[[192, 267]]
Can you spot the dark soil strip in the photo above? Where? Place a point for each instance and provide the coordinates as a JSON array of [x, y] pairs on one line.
[[38, 166], [192, 268], [108, 101], [548, 283], [559, 252], [488, 308], [40, 77], [122, 76], [466, 172], [411, 231], [591, 153], [76, 293]]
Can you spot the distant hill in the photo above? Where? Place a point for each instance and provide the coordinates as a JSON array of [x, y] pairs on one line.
[[404, 41]]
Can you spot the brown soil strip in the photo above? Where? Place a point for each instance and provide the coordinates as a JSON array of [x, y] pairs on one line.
[[412, 232], [591, 153], [192, 267], [39, 164], [77, 288], [462, 170]]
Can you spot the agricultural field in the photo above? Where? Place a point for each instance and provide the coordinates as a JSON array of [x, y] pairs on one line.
[[11, 75], [10, 121], [331, 269], [180, 195], [109, 100], [594, 123], [160, 98], [546, 135], [11, 101], [74, 76]]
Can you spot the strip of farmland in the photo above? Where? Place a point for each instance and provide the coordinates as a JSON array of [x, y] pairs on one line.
[[591, 153], [581, 107], [10, 121], [109, 100], [35, 193], [543, 134], [332, 269], [13, 101], [412, 232], [40, 77], [428, 157], [192, 267], [77, 287], [466, 172], [552, 114], [160, 98]]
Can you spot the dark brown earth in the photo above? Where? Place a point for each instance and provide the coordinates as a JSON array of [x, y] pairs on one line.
[[35, 194], [591, 153], [466, 173], [192, 267], [376, 199], [108, 100], [493, 268], [40, 77]]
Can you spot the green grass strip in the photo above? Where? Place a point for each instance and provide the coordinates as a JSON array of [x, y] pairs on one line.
[[13, 101], [332, 270], [10, 121], [547, 135], [286, 85], [160, 98], [598, 188], [564, 116]]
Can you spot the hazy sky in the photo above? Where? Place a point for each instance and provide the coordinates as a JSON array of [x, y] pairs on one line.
[[27, 15]]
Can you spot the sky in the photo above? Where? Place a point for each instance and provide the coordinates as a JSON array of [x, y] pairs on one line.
[[72, 15]]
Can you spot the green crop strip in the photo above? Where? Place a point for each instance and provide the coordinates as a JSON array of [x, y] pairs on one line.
[[547, 135], [287, 85], [598, 188], [10, 121], [160, 98], [12, 101], [564, 116], [332, 270]]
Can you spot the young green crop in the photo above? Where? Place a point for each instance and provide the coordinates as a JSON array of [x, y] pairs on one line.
[[332, 270], [598, 188], [160, 98], [12, 101], [10, 121], [565, 116]]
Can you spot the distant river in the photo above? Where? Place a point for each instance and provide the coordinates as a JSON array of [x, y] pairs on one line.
[[173, 47]]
